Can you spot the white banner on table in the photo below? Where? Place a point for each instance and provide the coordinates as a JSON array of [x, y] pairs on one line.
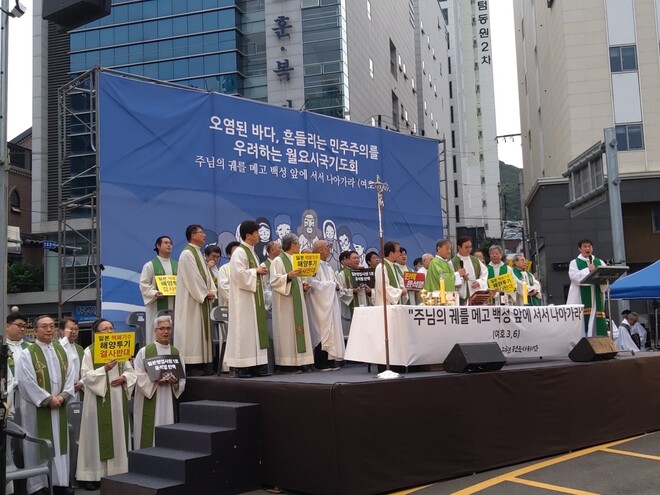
[[425, 334]]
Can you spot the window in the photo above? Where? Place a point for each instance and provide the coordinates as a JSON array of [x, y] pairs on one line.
[[393, 60], [629, 137], [368, 10], [371, 68], [458, 216], [15, 202], [412, 83], [655, 213], [451, 114], [623, 58], [456, 189]]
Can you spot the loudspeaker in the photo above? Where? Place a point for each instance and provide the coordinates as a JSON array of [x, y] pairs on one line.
[[472, 358], [593, 349], [70, 14]]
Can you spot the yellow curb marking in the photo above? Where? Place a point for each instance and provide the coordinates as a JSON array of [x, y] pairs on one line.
[[633, 454], [554, 488]]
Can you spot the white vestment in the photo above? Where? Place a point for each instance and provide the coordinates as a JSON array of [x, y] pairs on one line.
[[243, 350], [97, 382], [324, 313], [622, 339], [466, 290], [284, 331], [574, 294], [13, 403], [223, 284], [346, 298], [191, 301], [148, 289], [74, 359], [32, 397], [146, 388], [530, 287], [393, 293]]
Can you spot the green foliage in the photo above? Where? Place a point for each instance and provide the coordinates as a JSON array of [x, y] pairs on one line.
[[22, 277], [510, 189]]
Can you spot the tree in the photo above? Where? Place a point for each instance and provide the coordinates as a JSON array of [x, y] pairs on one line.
[[22, 277]]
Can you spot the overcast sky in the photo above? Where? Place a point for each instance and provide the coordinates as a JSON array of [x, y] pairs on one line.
[[504, 67]]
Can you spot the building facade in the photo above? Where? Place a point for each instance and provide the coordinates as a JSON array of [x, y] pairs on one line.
[[474, 173], [583, 67], [371, 62]]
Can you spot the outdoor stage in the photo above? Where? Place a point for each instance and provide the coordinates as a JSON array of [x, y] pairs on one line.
[[347, 432]]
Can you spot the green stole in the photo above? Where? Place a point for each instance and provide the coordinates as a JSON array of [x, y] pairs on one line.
[[491, 271], [439, 269], [149, 405], [104, 414], [531, 301], [299, 322], [585, 295], [161, 304], [44, 422], [267, 263], [259, 303], [390, 274], [205, 306], [10, 357]]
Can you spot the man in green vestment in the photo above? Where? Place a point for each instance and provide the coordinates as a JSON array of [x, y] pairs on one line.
[[496, 268], [522, 276], [591, 296], [154, 300], [441, 269], [195, 292]]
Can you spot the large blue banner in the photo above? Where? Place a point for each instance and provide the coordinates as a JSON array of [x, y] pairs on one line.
[[170, 157]]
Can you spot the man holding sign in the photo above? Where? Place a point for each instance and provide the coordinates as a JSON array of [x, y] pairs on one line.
[[291, 337], [500, 276], [104, 428], [158, 283], [156, 398]]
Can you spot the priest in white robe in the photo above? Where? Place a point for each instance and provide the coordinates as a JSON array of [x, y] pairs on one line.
[[247, 339], [395, 292], [68, 334], [14, 333], [497, 268], [45, 383], [351, 297], [401, 267], [324, 312], [195, 292], [104, 432], [473, 272], [154, 299], [292, 339], [155, 401]]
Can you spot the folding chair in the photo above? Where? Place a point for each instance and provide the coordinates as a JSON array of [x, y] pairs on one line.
[[137, 320], [45, 468]]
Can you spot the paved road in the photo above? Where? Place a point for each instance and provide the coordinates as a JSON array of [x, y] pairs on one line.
[[625, 467]]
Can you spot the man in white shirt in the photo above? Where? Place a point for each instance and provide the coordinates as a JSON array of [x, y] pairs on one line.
[[472, 271]]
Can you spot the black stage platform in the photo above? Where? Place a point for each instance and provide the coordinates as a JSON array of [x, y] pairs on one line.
[[347, 432]]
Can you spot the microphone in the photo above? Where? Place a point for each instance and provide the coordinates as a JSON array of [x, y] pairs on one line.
[[460, 263], [590, 259]]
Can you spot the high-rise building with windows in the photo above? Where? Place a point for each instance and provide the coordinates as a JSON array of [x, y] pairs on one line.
[[371, 62], [583, 67], [474, 170]]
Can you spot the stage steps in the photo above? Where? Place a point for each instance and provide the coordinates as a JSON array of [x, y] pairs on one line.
[[213, 449]]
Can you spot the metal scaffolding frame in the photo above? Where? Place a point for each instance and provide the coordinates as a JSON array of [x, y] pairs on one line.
[[78, 233]]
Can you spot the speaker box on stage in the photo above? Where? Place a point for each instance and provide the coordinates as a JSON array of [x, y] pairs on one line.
[[593, 349], [472, 358]]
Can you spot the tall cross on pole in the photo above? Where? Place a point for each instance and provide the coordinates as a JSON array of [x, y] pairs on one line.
[[380, 188]]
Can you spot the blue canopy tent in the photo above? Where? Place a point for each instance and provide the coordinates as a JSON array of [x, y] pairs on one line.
[[644, 284]]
